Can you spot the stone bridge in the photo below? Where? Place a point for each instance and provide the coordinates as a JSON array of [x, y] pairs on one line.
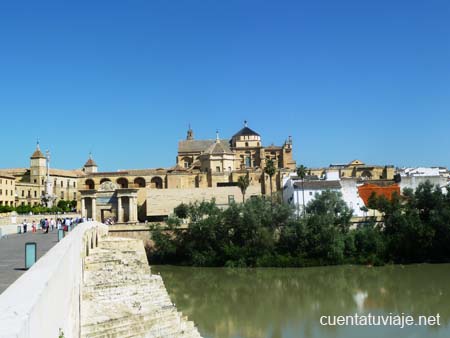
[[91, 285]]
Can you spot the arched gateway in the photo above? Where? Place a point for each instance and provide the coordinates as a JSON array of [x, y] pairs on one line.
[[110, 201]]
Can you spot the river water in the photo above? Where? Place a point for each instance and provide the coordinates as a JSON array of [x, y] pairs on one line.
[[289, 303]]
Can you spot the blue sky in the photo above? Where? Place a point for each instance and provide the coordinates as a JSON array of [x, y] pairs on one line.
[[347, 79]]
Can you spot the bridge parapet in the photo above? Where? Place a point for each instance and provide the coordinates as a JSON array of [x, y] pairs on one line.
[[47, 297]]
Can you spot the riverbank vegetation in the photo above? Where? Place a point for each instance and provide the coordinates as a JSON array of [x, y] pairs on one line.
[[258, 233]]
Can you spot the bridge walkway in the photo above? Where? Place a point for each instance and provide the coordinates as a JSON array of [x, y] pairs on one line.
[[12, 254]]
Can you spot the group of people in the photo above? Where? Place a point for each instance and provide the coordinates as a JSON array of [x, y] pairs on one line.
[[46, 224], [110, 221]]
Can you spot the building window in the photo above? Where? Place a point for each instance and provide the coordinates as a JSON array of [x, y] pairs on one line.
[[310, 193], [74, 196], [230, 199], [23, 193], [35, 194], [1, 192], [62, 184], [246, 144], [62, 195], [74, 184], [34, 181], [218, 169], [248, 162], [186, 165]]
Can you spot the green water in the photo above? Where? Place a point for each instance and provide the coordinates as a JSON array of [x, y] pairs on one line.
[[288, 303]]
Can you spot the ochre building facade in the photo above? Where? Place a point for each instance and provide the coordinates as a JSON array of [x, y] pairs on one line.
[[204, 169]]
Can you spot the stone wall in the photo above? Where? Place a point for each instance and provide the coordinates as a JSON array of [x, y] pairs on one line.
[[163, 201], [121, 298], [135, 231]]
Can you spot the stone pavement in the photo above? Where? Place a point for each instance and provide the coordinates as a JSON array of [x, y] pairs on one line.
[[12, 254]]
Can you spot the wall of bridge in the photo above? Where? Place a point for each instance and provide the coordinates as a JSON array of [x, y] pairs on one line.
[[47, 297]]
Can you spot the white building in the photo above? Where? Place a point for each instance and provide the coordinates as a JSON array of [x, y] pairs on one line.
[[420, 171], [295, 195], [299, 194], [412, 182]]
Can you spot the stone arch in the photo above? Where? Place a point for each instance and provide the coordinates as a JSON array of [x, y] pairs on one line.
[[157, 182], [139, 182], [122, 182], [89, 183], [105, 179]]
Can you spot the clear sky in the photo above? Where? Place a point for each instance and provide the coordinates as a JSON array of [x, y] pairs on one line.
[[347, 79]]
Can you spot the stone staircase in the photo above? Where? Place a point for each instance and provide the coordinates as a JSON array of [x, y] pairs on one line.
[[121, 298]]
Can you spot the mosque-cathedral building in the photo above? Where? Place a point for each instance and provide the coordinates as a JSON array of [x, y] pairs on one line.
[[204, 169]]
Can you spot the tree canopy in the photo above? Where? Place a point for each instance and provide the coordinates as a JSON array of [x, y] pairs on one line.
[[416, 228]]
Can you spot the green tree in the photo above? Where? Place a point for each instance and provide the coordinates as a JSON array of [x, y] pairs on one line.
[[415, 228], [243, 183], [270, 170], [328, 224], [181, 211], [63, 205]]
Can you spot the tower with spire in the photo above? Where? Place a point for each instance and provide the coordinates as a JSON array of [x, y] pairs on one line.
[[38, 166], [90, 166], [190, 133]]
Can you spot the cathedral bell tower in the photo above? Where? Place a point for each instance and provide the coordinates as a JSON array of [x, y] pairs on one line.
[[90, 166], [38, 166], [190, 134]]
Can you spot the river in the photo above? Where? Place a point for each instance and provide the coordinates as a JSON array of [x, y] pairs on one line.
[[289, 303]]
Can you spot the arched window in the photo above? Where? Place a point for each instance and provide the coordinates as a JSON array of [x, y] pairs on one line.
[[139, 182], [89, 184], [366, 174], [122, 182], [187, 161], [157, 182]]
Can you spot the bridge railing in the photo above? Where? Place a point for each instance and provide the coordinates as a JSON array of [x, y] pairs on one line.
[[46, 299]]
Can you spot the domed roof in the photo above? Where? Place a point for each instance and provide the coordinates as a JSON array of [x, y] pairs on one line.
[[37, 153], [218, 148], [246, 131], [90, 162]]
